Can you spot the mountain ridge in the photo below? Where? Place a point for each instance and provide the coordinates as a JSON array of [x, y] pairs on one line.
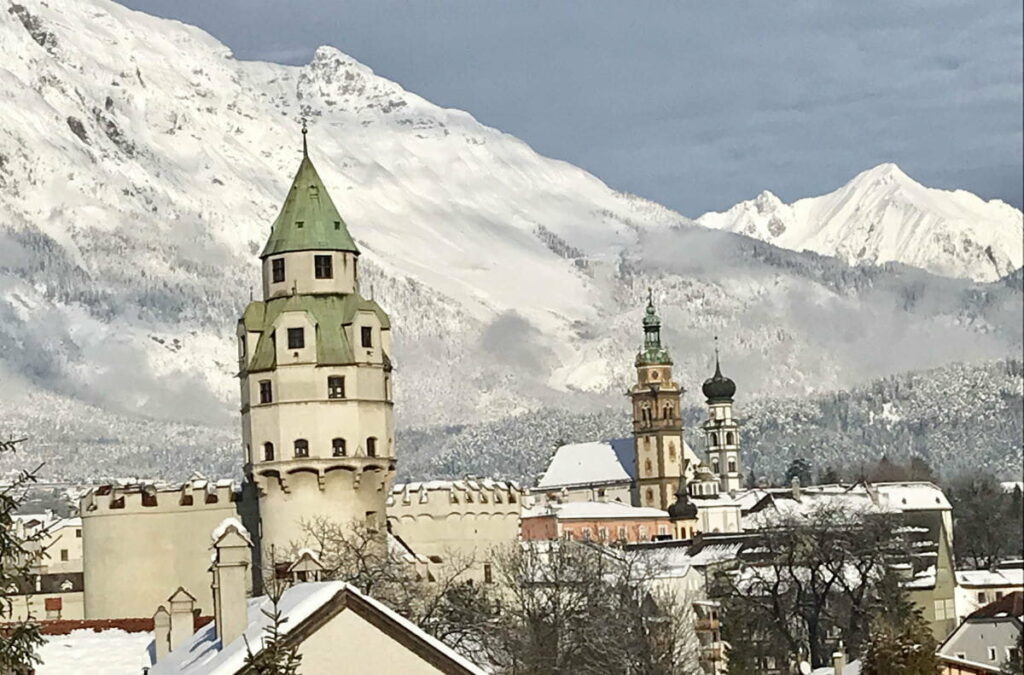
[[882, 215], [145, 165]]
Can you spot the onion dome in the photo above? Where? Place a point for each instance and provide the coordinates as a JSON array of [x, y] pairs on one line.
[[718, 388], [683, 508]]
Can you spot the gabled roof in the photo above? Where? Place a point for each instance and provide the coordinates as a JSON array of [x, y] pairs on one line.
[[308, 220], [328, 312], [304, 608], [593, 511], [1010, 605], [590, 463]]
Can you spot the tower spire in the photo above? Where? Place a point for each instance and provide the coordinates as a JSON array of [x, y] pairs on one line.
[[718, 366], [305, 130]]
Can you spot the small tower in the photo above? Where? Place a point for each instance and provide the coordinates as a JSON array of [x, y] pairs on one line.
[[721, 432], [315, 377], [683, 513], [657, 423]]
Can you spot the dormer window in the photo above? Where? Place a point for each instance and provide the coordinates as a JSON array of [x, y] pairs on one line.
[[337, 225], [296, 338], [366, 333], [277, 270], [299, 224], [323, 267]]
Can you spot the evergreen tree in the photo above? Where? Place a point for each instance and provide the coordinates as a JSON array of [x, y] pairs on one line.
[[899, 639], [799, 468], [18, 641], [276, 657]]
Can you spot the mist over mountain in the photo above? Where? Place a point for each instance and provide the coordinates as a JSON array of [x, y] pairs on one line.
[[140, 169]]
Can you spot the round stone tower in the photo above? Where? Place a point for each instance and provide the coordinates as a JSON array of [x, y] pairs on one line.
[[315, 378]]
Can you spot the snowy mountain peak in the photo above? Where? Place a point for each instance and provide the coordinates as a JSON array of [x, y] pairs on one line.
[[884, 215]]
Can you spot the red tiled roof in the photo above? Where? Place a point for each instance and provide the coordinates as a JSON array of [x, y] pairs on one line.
[[134, 625], [1011, 604]]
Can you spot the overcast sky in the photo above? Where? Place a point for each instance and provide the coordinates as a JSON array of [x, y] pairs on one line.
[[696, 105]]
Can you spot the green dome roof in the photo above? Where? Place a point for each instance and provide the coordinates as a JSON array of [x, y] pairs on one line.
[[308, 220]]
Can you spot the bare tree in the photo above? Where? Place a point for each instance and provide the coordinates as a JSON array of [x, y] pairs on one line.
[[569, 607], [806, 585]]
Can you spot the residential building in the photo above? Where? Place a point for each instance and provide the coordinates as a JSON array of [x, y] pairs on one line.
[[986, 640]]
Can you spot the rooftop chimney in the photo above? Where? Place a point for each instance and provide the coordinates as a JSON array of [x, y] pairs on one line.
[[182, 611], [838, 662], [162, 632], [230, 568]]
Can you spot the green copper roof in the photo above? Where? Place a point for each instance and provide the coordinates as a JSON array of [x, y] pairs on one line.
[[328, 313], [652, 353], [308, 219]]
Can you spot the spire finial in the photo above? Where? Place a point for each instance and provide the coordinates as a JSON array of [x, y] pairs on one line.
[[650, 297], [305, 130], [718, 367]]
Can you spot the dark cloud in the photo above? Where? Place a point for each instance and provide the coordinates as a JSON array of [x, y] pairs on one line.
[[695, 105]]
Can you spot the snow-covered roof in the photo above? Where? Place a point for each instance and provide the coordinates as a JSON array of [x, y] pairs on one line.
[[912, 496], [88, 652], [593, 511], [223, 526], [202, 654], [1000, 578], [587, 463]]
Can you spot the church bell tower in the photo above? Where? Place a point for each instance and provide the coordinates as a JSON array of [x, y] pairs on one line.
[[657, 424], [721, 431], [315, 374]]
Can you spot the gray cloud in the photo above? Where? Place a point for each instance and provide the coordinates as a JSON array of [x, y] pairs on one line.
[[695, 105]]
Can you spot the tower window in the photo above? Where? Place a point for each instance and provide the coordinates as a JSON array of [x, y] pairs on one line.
[[714, 440], [323, 267], [277, 270], [730, 438], [335, 386], [338, 447], [268, 452], [371, 447], [266, 391], [301, 447], [732, 466], [366, 332], [296, 338], [337, 224], [650, 496]]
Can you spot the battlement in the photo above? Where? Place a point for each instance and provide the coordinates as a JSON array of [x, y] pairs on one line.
[[467, 495], [144, 497]]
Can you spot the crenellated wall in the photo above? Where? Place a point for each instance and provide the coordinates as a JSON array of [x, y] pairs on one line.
[[140, 542], [457, 520]]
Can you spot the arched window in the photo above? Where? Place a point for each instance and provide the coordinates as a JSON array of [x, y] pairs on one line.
[[301, 447], [650, 496], [647, 466], [730, 438], [732, 466], [338, 447], [714, 466], [667, 411], [672, 451], [268, 452], [645, 413], [371, 446], [714, 440]]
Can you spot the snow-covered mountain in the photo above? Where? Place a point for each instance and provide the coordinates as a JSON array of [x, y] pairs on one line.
[[140, 169], [883, 215]]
